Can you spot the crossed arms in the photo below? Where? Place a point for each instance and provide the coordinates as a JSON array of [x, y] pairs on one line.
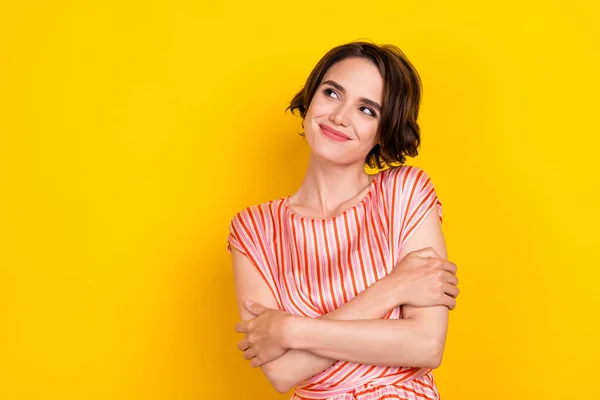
[[290, 349]]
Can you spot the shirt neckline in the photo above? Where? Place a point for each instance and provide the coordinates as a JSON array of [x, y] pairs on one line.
[[359, 204]]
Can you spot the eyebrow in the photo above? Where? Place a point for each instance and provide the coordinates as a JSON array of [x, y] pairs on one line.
[[339, 87]]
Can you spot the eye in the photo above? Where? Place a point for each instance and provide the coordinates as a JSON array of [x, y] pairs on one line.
[[329, 91], [371, 112]]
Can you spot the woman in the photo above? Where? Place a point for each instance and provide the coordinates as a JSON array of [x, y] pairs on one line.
[[344, 287]]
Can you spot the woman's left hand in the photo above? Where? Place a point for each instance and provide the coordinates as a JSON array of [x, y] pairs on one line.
[[265, 334]]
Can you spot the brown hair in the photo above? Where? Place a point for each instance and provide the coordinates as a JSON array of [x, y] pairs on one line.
[[398, 133]]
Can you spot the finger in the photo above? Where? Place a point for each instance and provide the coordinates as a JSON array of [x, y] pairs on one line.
[[254, 308], [450, 266], [240, 327], [249, 354], [427, 252], [451, 290], [255, 362], [451, 278], [243, 345], [450, 302]]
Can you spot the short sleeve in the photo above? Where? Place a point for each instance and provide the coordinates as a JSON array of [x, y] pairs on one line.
[[235, 227], [413, 197], [246, 234], [420, 199]]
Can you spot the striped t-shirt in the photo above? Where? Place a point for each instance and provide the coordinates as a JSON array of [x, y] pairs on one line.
[[313, 266]]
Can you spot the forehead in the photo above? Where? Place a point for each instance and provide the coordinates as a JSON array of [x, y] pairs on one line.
[[358, 76]]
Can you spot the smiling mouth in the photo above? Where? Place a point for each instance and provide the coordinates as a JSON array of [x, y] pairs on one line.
[[333, 135]]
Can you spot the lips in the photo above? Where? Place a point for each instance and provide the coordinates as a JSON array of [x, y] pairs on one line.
[[333, 134]]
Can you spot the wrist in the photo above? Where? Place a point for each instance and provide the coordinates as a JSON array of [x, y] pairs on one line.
[[294, 331], [396, 287]]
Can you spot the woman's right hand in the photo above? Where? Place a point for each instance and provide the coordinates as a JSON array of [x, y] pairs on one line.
[[424, 279]]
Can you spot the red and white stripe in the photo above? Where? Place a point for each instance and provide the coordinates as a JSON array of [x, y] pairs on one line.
[[313, 266]]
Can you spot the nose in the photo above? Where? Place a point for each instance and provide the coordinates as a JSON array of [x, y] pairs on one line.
[[339, 115]]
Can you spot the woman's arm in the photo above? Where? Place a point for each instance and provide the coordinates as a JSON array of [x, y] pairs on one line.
[[297, 365], [374, 342], [418, 340]]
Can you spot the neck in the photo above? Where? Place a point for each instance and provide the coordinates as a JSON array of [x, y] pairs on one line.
[[326, 186]]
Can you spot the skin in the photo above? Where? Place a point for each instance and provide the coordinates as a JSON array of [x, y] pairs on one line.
[[336, 179], [292, 348]]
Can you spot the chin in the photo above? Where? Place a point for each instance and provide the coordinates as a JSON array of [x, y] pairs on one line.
[[331, 152]]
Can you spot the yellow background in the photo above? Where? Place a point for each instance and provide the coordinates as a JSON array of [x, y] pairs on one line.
[[132, 131]]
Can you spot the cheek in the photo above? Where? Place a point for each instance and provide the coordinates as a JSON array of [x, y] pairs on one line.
[[369, 134], [318, 107], [317, 111]]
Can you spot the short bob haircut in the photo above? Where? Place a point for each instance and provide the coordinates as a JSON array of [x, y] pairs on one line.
[[398, 133]]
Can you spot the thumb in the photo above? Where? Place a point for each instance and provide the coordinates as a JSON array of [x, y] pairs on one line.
[[254, 308], [427, 252]]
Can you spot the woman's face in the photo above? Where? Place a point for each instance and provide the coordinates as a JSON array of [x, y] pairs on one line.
[[348, 100]]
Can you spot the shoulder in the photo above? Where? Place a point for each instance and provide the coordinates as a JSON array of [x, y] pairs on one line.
[[253, 226], [403, 177], [256, 215], [409, 189]]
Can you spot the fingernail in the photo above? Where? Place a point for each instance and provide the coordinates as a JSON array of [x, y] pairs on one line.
[[248, 303]]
